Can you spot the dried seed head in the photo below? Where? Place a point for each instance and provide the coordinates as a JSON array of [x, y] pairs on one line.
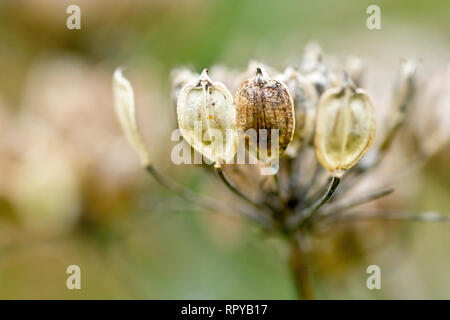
[[263, 103], [305, 99], [345, 127], [207, 119]]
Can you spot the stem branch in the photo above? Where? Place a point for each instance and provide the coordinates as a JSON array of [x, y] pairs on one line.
[[235, 190], [207, 203], [308, 213]]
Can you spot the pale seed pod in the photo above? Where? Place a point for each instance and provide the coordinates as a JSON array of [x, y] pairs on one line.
[[305, 99], [126, 114], [345, 127], [263, 103], [207, 119]]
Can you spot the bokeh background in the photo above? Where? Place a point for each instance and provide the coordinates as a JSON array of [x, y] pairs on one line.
[[72, 191]]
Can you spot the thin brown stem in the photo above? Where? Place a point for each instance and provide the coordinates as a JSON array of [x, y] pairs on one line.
[[300, 270], [236, 191], [315, 177], [358, 201]]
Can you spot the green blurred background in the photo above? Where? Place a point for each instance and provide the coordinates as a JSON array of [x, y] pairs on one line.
[[72, 192]]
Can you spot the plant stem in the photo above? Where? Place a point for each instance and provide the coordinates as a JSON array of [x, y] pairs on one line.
[[304, 217], [235, 190], [300, 270], [358, 201], [202, 201]]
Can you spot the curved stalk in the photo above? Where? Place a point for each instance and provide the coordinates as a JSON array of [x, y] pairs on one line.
[[302, 219], [374, 195]]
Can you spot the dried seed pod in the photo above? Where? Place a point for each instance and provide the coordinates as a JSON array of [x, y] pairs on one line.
[[345, 127], [207, 118], [305, 99], [265, 104], [181, 77]]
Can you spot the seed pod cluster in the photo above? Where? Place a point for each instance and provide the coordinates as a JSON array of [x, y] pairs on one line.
[[263, 103], [345, 127], [207, 119]]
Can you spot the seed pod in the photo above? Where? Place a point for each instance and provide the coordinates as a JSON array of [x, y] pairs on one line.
[[305, 99], [265, 104], [207, 118], [345, 127]]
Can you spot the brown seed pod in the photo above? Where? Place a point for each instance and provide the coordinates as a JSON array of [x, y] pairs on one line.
[[345, 127], [263, 103]]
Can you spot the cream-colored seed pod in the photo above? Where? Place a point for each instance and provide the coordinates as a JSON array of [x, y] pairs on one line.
[[207, 119], [263, 103], [345, 127], [305, 99]]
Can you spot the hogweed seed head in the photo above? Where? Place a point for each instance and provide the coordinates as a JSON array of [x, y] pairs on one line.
[[345, 127], [207, 118]]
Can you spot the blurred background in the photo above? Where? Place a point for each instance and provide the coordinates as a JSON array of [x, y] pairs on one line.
[[72, 190]]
